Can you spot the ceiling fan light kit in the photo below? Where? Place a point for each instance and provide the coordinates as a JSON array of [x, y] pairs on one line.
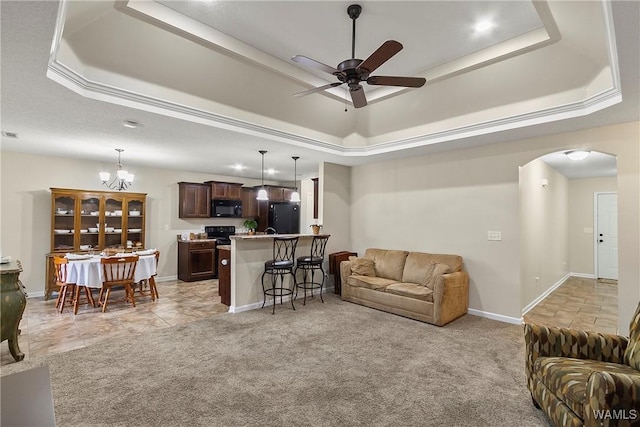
[[354, 71]]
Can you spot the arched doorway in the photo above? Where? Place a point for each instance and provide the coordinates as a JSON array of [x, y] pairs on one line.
[[559, 245]]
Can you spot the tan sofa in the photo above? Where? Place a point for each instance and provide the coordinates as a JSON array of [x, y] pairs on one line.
[[427, 287]]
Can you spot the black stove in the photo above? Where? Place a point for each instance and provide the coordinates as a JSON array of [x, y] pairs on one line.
[[221, 233]]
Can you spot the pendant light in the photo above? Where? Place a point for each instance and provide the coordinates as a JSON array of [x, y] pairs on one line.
[[262, 194], [295, 196], [123, 178]]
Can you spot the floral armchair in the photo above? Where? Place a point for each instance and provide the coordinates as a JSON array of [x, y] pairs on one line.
[[584, 378]]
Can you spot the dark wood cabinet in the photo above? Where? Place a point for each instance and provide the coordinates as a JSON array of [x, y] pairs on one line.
[[196, 260], [194, 200], [249, 203], [224, 275], [225, 190], [278, 193]]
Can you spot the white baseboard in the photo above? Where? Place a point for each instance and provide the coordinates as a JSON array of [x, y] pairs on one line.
[[583, 275], [34, 294], [494, 316], [257, 305], [545, 294], [166, 279]]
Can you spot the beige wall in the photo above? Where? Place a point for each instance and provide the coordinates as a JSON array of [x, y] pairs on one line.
[[581, 241], [26, 207], [544, 229], [446, 202], [334, 205]]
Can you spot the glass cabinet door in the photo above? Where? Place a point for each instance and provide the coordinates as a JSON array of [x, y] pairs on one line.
[[89, 222], [63, 224], [113, 223], [135, 222]]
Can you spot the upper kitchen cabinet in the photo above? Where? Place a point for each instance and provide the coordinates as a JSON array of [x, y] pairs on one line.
[[82, 220], [278, 193], [249, 203], [225, 190], [194, 200]]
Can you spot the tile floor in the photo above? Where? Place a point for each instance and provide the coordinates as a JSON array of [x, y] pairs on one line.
[[45, 330], [579, 303]]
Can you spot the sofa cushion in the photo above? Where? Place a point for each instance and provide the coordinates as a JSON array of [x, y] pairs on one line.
[[362, 266], [374, 283], [417, 264], [436, 269], [412, 290], [389, 263], [567, 377]]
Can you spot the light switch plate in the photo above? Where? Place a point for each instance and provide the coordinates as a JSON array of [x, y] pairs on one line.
[[494, 235]]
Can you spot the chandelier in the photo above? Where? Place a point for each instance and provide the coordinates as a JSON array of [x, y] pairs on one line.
[[123, 178]]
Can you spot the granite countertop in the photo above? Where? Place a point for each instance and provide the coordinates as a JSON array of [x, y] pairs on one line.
[[223, 247], [197, 240], [271, 236]]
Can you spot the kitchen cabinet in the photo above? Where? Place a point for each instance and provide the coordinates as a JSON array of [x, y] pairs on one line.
[[196, 260], [194, 200], [224, 275], [83, 220], [225, 190], [278, 193], [249, 203]]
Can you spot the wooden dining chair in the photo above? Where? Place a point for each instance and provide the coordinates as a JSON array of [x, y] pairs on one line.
[[118, 271], [64, 289], [151, 282], [68, 290]]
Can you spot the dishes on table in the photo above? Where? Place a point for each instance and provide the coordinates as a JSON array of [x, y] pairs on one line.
[[62, 231], [134, 230], [5, 259]]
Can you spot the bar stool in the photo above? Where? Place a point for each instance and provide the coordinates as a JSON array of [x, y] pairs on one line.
[[284, 255], [309, 264]]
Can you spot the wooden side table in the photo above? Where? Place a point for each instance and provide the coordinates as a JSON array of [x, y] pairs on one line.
[[12, 304], [334, 268]]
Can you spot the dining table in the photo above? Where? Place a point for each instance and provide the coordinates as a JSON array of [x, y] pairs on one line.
[[87, 270]]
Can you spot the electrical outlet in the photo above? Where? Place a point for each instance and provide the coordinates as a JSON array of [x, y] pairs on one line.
[[494, 235], [166, 227]]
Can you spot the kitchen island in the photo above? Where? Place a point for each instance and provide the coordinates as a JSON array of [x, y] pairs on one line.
[[248, 254]]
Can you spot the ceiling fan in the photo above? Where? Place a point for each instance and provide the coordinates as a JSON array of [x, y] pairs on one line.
[[353, 71]]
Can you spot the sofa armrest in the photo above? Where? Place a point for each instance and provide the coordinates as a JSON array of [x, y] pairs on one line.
[[542, 341], [612, 398], [450, 297], [345, 272]]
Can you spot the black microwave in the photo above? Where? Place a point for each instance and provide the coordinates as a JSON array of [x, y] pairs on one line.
[[226, 208]]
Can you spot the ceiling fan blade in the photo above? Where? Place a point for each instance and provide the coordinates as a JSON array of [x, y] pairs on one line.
[[381, 55], [318, 89], [300, 59], [397, 81], [358, 97]]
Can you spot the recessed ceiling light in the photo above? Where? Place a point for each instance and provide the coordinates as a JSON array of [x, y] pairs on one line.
[[238, 167], [484, 26], [271, 171], [9, 134], [131, 124], [577, 154]]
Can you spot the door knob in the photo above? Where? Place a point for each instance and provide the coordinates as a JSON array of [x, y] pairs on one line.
[[225, 262]]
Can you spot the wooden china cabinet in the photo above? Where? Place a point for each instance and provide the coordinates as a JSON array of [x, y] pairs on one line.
[[83, 221]]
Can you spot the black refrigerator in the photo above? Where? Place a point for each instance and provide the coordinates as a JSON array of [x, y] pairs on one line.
[[284, 217]]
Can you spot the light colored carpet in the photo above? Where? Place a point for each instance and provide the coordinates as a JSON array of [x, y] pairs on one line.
[[332, 364]]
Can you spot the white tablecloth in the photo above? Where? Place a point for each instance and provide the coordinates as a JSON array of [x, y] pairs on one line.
[[88, 272]]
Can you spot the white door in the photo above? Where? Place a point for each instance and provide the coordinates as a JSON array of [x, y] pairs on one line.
[[607, 235]]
